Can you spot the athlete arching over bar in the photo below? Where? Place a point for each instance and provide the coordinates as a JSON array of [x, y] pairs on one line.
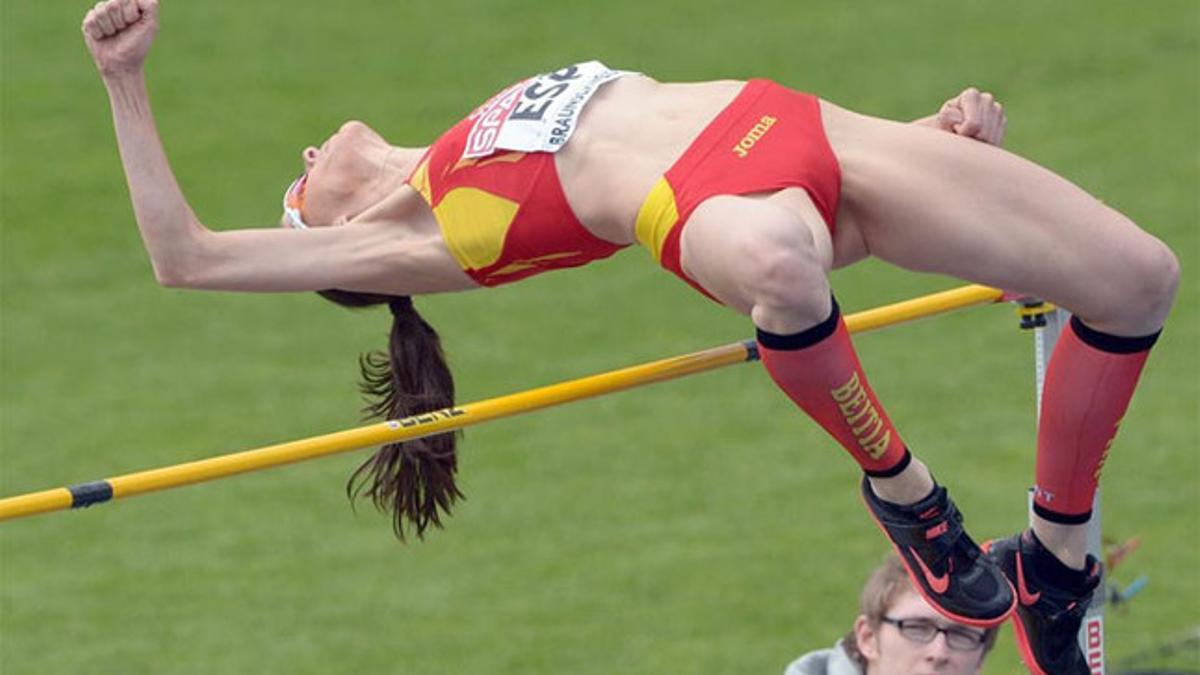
[[751, 193]]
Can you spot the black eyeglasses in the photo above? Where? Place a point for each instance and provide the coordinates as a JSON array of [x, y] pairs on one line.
[[924, 631]]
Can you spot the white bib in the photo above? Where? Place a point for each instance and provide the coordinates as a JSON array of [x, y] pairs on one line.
[[538, 114]]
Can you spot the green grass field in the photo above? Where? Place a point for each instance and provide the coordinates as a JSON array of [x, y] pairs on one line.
[[699, 526]]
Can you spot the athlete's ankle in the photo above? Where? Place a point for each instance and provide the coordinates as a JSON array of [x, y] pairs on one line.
[[1066, 543], [1051, 569], [911, 485]]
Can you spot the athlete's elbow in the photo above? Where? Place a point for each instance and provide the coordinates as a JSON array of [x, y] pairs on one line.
[[177, 266], [172, 276], [182, 264]]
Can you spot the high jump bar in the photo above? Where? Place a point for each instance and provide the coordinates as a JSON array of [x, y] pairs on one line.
[[457, 417]]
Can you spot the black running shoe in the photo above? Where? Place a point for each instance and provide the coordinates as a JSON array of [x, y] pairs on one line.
[[1047, 618], [946, 567]]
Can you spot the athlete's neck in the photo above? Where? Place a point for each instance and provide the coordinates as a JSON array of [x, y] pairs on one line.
[[401, 162]]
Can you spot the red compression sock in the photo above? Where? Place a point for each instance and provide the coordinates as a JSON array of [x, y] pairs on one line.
[[1089, 382], [820, 372]]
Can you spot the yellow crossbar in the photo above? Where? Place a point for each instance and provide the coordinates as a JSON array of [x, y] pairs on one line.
[[449, 419]]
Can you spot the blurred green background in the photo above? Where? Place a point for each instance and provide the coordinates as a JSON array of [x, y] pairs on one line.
[[699, 526]]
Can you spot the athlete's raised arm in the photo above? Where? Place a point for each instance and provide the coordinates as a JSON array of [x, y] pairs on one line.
[[363, 257]]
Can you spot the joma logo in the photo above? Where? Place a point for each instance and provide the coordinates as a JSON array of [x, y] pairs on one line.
[[756, 132]]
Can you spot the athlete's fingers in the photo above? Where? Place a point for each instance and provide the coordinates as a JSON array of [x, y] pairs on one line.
[[113, 10], [988, 117], [100, 14], [91, 26], [949, 116], [995, 127], [148, 7], [130, 9], [969, 101], [1003, 127]]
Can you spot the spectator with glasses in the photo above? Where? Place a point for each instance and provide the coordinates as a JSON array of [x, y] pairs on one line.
[[898, 633]]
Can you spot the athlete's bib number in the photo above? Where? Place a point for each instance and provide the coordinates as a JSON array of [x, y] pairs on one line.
[[538, 114]]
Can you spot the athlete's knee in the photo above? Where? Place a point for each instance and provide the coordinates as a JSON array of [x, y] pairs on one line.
[[1161, 278], [786, 282], [1153, 278], [1135, 291]]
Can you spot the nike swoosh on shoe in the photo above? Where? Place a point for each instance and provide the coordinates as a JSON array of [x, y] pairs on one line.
[[938, 584], [1027, 598]]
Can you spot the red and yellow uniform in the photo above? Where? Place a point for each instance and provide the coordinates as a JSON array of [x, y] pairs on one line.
[[504, 215]]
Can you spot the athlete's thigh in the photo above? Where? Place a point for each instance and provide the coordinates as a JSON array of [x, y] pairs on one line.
[[931, 201], [730, 243]]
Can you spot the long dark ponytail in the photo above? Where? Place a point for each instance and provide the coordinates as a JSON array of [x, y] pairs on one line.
[[412, 479]]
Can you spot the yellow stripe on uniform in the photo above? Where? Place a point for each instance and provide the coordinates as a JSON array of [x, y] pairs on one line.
[[656, 218]]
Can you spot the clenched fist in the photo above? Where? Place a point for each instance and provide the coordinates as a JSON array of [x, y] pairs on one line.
[[119, 33], [973, 114]]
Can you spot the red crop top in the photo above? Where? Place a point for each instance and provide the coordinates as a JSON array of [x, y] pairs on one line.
[[504, 215]]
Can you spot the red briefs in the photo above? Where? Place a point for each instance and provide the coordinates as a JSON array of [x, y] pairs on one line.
[[504, 216], [769, 138]]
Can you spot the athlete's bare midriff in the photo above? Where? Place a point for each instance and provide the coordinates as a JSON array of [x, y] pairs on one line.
[[631, 132]]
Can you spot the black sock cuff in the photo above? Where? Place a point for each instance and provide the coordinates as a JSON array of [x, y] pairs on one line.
[[893, 471], [805, 338], [1114, 344], [1062, 518]]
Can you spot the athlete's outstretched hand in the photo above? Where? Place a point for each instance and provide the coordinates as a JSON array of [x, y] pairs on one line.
[[973, 114], [119, 33]]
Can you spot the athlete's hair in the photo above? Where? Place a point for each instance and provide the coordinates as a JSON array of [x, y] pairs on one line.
[[412, 479], [884, 587]]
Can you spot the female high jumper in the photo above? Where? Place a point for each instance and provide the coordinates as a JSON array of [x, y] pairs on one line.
[[749, 192]]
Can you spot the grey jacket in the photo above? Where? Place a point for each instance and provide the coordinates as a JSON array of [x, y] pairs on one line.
[[833, 661]]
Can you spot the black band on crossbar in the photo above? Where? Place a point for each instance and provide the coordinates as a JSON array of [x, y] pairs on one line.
[[86, 494], [751, 350]]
